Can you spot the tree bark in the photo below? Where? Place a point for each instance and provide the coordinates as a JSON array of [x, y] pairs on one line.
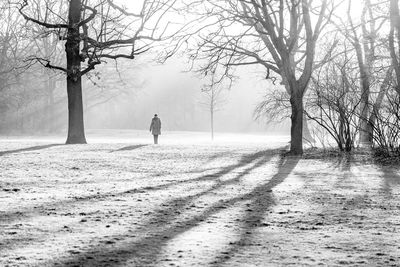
[[76, 131], [378, 102], [365, 127], [296, 131], [364, 98]]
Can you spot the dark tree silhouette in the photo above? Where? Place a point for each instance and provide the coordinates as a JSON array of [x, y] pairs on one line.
[[366, 41], [278, 35], [94, 31]]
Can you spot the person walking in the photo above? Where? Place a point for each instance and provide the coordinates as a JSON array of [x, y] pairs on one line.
[[155, 128]]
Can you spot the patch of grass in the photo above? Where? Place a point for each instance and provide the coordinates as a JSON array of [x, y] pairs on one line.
[[360, 155], [324, 153], [386, 158]]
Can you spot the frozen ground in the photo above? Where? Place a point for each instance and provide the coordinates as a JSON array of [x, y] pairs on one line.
[[120, 201]]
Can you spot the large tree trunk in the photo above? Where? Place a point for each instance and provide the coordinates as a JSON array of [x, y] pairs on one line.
[[296, 131], [378, 103], [364, 48], [76, 132], [365, 127]]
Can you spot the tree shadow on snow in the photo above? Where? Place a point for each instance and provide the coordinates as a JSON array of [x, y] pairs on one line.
[[29, 211], [127, 148], [391, 179], [261, 200], [344, 164], [27, 149], [164, 224]]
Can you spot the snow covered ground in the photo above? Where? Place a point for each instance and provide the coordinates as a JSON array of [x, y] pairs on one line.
[[121, 201]]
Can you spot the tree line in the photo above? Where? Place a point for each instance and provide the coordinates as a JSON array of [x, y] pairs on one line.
[[333, 66]]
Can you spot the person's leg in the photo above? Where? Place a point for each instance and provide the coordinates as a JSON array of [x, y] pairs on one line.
[[156, 139]]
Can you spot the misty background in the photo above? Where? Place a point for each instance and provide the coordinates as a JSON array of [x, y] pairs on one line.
[[126, 94], [176, 96]]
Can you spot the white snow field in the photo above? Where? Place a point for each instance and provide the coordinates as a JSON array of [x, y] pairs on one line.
[[121, 201]]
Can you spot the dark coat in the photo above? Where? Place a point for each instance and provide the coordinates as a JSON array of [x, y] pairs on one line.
[[155, 126]]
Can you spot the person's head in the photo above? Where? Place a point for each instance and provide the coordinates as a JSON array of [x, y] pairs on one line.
[[155, 116]]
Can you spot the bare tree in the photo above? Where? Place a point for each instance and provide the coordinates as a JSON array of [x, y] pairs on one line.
[[10, 45], [333, 100], [13, 48], [386, 126], [213, 99], [47, 47], [367, 43], [94, 31], [278, 35], [386, 119]]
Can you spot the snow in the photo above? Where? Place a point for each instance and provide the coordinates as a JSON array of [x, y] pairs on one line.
[[121, 201]]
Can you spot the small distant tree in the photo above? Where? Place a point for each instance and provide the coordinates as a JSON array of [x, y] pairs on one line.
[[95, 31], [213, 99]]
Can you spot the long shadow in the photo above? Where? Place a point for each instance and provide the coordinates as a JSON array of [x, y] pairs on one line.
[[344, 165], [27, 212], [261, 201], [161, 225], [390, 174], [127, 148], [33, 148], [215, 156], [160, 217], [391, 179]]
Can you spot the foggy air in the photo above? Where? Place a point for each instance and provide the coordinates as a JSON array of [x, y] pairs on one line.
[[199, 133]]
